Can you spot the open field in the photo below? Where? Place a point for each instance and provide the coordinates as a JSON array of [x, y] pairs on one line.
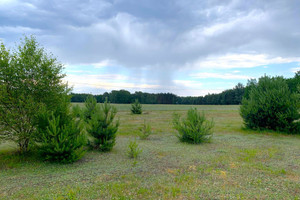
[[237, 164]]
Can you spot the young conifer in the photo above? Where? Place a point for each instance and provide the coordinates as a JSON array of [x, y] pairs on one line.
[[102, 127], [136, 107]]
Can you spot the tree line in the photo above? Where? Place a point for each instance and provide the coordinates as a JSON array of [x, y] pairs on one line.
[[232, 96], [227, 97]]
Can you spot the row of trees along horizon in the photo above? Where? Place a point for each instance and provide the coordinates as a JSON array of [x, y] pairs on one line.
[[228, 97]]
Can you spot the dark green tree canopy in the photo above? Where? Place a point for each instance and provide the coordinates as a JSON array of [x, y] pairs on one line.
[[270, 104]]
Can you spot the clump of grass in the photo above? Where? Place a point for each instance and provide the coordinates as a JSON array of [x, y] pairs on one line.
[[15, 159], [133, 150], [145, 131]]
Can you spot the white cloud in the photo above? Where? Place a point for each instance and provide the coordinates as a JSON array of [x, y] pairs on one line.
[[8, 2], [296, 69], [197, 92], [18, 29], [106, 82], [187, 83], [228, 76], [231, 61], [253, 17], [104, 63]]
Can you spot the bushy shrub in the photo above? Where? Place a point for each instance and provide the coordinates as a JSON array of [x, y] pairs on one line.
[[271, 105], [194, 129], [63, 140], [136, 107], [145, 131], [133, 150], [102, 127]]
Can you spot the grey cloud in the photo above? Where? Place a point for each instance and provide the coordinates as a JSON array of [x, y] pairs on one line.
[[161, 33]]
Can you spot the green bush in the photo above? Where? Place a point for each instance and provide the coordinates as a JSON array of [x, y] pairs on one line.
[[63, 141], [133, 150], [194, 129], [145, 131], [271, 105], [102, 127], [136, 107]]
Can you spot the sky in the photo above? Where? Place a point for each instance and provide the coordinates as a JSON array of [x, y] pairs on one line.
[[186, 47]]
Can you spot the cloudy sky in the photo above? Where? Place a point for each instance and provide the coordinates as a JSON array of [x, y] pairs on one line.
[[187, 47]]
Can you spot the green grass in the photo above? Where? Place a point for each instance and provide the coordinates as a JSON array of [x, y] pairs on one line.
[[237, 164]]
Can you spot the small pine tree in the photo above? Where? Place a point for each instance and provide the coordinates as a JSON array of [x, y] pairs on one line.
[[136, 107], [63, 141], [145, 131], [90, 107], [194, 129], [102, 127]]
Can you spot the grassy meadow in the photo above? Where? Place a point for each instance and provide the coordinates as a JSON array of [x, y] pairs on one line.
[[236, 164]]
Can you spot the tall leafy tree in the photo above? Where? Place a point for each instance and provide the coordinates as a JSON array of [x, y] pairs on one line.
[[30, 80]]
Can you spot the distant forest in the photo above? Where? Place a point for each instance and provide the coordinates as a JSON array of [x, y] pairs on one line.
[[228, 97]]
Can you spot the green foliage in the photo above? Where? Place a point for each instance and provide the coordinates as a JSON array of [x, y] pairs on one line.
[[294, 83], [136, 107], [17, 123], [102, 127], [121, 96], [77, 111], [133, 150], [271, 105], [62, 110], [63, 141], [145, 131], [194, 129], [30, 80], [90, 107]]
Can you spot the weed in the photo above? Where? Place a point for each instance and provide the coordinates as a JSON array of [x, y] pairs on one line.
[[145, 131], [133, 150]]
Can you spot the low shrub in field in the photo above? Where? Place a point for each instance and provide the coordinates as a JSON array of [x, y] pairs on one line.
[[145, 131], [136, 107], [271, 105], [63, 141], [102, 128], [133, 150], [195, 128]]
